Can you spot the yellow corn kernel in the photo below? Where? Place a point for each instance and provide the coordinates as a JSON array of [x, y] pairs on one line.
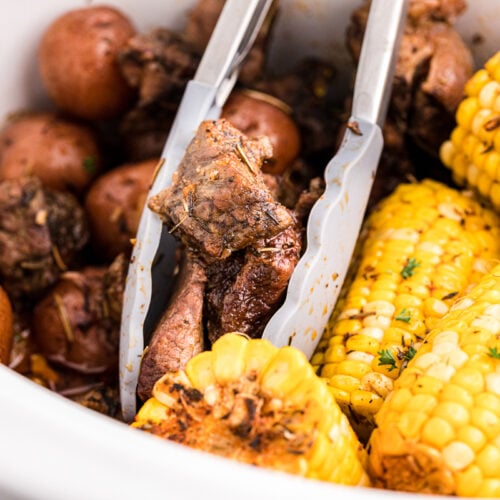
[[229, 357], [277, 398], [200, 370], [457, 447], [421, 249], [437, 432], [466, 111], [281, 375], [473, 150]]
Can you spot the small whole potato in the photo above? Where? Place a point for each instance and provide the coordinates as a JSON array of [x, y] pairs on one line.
[[78, 62], [114, 205], [258, 114], [6, 327], [70, 326], [63, 154]]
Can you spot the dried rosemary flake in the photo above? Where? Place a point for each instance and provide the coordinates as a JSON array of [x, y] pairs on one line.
[[63, 316], [245, 159], [178, 224], [157, 169], [58, 259], [41, 217], [353, 126], [116, 214]]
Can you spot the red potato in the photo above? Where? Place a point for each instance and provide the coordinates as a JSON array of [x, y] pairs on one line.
[[114, 205], [6, 327], [70, 325], [257, 114], [63, 154], [78, 62]]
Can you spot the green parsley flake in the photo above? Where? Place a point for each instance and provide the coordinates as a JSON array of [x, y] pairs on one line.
[[494, 352], [410, 353], [89, 165], [409, 268], [386, 358], [404, 315]]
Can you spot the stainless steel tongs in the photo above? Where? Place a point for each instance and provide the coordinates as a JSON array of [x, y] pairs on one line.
[[335, 219], [153, 253]]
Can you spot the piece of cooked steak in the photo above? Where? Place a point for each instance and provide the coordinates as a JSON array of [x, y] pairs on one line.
[[179, 333], [218, 201], [41, 233], [244, 293]]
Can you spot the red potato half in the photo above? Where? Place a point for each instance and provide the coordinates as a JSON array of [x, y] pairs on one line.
[[78, 62], [69, 324], [63, 154], [258, 114], [114, 205]]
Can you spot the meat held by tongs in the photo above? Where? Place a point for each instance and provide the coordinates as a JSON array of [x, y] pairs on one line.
[[218, 201]]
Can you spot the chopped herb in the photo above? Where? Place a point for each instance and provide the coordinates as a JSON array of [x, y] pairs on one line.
[[409, 268], [386, 358], [410, 353], [494, 352], [89, 164], [404, 315]]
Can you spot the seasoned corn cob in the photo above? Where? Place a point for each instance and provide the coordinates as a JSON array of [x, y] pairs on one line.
[[419, 250], [473, 150], [439, 430], [255, 403]]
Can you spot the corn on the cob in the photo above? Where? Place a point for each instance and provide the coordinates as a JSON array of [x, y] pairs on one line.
[[419, 250], [473, 150], [439, 430], [255, 403]]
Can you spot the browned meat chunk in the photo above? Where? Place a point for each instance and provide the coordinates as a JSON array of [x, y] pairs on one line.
[[437, 10], [179, 334], [158, 64], [218, 201], [243, 300], [308, 198], [41, 234], [432, 69]]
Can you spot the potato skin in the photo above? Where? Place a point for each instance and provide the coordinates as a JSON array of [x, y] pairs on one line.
[[78, 62], [63, 154], [91, 345], [6, 327], [114, 205], [257, 114]]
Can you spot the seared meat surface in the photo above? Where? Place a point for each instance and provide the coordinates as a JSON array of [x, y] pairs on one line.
[[179, 333], [243, 301], [432, 68], [41, 234], [218, 201], [158, 64]]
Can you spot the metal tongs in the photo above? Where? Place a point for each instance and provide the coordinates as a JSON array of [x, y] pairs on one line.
[[335, 219], [153, 254]]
